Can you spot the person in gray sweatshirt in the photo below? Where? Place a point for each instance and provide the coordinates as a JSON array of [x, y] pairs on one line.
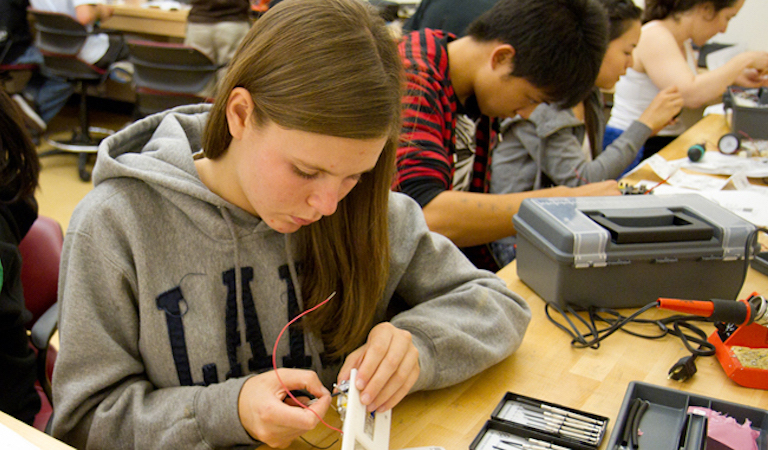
[[211, 227]]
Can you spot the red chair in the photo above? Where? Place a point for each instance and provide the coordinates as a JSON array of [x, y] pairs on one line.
[[40, 256]]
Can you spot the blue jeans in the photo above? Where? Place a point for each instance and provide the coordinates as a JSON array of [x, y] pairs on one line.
[[50, 93], [611, 134]]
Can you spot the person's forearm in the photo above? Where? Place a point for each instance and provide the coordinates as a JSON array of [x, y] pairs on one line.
[[469, 218], [88, 14], [710, 85]]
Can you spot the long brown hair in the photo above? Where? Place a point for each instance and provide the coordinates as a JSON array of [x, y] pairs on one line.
[[329, 67], [19, 164]]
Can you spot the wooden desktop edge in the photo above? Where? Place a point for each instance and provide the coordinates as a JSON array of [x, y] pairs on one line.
[[31, 434], [127, 18]]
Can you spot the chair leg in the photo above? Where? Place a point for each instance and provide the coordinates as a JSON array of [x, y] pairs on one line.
[[82, 160]]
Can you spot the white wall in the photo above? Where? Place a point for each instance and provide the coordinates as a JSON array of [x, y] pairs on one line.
[[749, 26]]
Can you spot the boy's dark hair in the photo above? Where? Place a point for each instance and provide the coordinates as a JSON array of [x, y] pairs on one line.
[[661, 9], [559, 44], [621, 14]]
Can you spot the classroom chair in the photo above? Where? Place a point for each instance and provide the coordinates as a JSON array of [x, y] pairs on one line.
[[60, 38], [40, 256], [13, 77], [168, 75]]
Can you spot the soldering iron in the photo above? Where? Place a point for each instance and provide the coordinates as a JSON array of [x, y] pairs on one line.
[[739, 312]]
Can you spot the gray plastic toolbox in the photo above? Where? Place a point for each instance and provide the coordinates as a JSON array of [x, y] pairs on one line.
[[627, 251], [663, 422], [750, 111]]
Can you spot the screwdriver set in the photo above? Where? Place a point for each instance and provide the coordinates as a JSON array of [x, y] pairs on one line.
[[524, 423]]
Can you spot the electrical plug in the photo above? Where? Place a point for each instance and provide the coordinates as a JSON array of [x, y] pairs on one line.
[[683, 369]]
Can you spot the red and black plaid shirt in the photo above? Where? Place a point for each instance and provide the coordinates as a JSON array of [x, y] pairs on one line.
[[425, 157]]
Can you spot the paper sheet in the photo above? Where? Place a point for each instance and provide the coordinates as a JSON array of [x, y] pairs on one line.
[[735, 194], [715, 163], [13, 441]]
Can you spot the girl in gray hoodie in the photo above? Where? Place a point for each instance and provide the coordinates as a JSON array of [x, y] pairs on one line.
[[211, 227]]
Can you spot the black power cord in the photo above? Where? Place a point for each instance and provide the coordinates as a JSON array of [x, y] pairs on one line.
[[693, 338]]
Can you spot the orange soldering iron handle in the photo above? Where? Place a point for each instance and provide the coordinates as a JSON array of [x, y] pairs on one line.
[[697, 307], [739, 312]]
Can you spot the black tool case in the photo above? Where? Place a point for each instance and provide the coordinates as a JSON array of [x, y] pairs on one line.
[[627, 251]]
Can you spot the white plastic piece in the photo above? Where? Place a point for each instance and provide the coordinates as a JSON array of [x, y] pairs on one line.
[[363, 430]]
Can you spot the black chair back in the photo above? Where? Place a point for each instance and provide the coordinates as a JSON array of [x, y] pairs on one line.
[[168, 75], [58, 33], [59, 38]]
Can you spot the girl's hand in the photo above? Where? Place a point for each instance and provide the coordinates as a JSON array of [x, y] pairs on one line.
[[662, 110], [266, 414], [750, 78], [754, 75], [387, 367]]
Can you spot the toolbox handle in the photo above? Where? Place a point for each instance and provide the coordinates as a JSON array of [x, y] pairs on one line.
[[656, 225]]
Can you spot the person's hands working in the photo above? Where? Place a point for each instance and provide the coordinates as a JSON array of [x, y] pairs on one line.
[[270, 416], [755, 74], [662, 110], [387, 367]]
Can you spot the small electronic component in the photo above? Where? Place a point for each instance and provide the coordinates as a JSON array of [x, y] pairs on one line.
[[628, 189]]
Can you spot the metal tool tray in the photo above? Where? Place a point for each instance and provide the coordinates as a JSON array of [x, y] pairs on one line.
[[498, 427]]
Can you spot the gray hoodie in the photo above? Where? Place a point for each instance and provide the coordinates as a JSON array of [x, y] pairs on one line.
[[171, 296], [546, 150]]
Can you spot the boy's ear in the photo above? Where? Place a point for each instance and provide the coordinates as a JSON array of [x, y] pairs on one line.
[[239, 109], [503, 56]]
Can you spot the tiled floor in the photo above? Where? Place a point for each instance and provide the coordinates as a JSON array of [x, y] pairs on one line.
[[60, 186]]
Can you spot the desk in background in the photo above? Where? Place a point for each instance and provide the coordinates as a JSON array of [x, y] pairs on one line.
[[155, 23]]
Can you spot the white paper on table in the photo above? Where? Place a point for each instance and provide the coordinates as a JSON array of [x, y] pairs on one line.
[[718, 108], [668, 171], [13, 441], [715, 163], [750, 204]]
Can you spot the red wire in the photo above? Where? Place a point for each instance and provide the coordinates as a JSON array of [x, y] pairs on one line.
[[274, 360], [658, 184]]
